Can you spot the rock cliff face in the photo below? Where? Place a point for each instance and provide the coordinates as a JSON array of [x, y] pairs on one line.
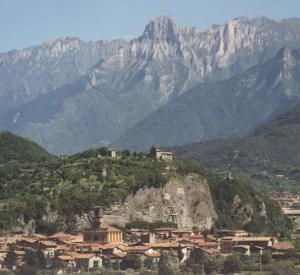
[[185, 201], [69, 95], [244, 210]]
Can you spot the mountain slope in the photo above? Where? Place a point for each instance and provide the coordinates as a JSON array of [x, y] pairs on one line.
[[223, 109], [271, 149], [14, 148], [95, 91]]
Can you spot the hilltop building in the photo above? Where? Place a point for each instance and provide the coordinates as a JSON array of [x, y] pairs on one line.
[[160, 154], [112, 153]]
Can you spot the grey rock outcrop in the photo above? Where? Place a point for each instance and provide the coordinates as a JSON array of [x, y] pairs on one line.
[[185, 201]]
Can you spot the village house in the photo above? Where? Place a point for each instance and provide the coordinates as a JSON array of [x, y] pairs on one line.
[[227, 244], [160, 154], [148, 238], [47, 247], [180, 233], [279, 250], [164, 232], [26, 243], [65, 261], [88, 261]]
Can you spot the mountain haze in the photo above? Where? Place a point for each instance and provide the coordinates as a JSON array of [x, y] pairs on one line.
[[69, 95], [223, 109], [272, 147]]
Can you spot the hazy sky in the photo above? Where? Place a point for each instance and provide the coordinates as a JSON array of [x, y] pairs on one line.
[[28, 22]]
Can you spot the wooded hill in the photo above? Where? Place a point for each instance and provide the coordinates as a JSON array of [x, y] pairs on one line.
[[54, 192], [273, 149]]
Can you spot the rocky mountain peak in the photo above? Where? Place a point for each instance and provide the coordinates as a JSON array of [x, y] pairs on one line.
[[63, 44], [161, 28]]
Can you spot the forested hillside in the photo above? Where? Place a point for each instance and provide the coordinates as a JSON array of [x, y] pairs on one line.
[[19, 149], [269, 153], [57, 193]]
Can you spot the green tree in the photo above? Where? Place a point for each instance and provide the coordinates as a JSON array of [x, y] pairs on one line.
[[266, 258], [27, 270], [131, 261], [168, 265], [212, 264], [31, 258], [231, 265], [126, 153], [196, 257], [283, 268], [148, 263]]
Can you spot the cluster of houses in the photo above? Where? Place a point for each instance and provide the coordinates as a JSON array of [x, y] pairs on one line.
[[290, 207], [106, 246]]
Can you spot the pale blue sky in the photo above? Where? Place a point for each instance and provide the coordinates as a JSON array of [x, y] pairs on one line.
[[29, 22]]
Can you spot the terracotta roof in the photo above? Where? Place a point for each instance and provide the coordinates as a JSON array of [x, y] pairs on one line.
[[60, 235], [29, 240], [154, 254], [65, 257], [111, 245], [163, 245], [283, 246], [83, 245], [119, 254], [76, 255], [62, 247], [136, 247], [250, 239], [76, 238], [195, 237], [48, 243]]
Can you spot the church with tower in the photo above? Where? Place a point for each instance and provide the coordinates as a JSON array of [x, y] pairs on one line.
[[101, 234]]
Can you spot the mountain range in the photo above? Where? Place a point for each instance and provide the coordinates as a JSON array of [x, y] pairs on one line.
[[269, 154], [171, 85]]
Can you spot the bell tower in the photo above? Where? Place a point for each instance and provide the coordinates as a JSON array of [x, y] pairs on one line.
[[96, 224]]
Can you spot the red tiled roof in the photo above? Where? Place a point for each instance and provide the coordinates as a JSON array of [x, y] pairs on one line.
[[136, 247], [283, 246], [119, 254], [48, 243], [163, 245], [65, 257], [76, 255], [154, 254]]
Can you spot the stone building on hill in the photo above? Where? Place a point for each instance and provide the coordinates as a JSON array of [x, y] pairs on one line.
[[160, 154], [112, 153]]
